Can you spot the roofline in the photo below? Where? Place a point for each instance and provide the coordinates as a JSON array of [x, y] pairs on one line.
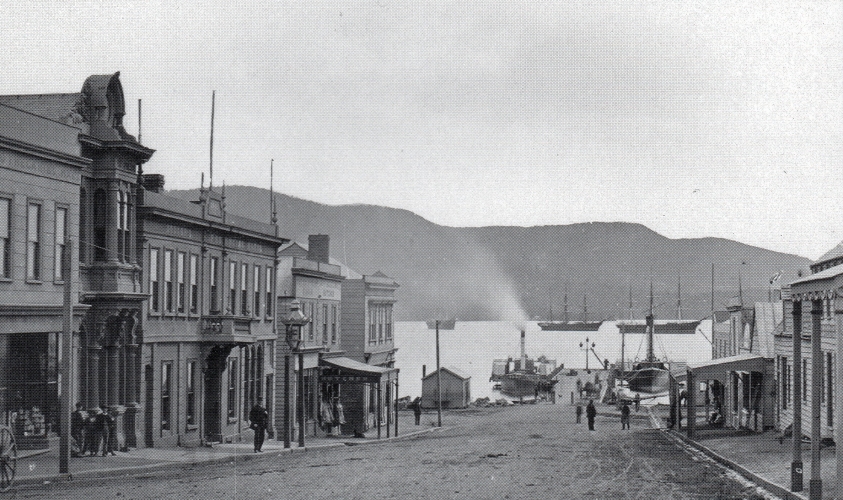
[[147, 210], [22, 147]]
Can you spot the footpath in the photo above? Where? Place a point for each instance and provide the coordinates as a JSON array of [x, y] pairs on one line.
[[35, 468], [763, 458]]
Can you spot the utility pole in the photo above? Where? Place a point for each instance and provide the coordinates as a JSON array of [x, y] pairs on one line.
[[67, 359], [438, 379]]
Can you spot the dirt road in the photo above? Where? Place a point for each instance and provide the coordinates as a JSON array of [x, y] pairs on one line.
[[531, 451]]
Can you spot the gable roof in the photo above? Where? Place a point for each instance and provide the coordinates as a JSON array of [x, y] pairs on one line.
[[835, 252], [453, 371]]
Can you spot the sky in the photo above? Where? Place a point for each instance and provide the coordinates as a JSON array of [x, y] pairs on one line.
[[714, 118]]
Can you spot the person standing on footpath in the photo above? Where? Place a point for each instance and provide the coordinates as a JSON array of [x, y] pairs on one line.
[[101, 423], [625, 415], [590, 414], [637, 402], [579, 412], [259, 418], [77, 426], [417, 410]]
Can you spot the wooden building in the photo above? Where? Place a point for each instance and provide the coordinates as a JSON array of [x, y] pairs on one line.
[[456, 389]]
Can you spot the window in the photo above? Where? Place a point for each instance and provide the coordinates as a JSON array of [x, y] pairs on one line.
[[310, 326], [324, 323], [121, 212], [269, 297], [5, 238], [168, 279], [166, 395], [380, 325], [154, 303], [256, 286], [33, 242], [232, 290], [244, 276], [373, 332], [180, 280], [213, 266], [61, 227], [194, 286], [232, 389], [388, 324], [333, 324], [190, 391], [99, 224], [83, 225], [785, 398]]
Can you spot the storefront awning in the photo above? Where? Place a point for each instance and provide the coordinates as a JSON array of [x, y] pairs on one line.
[[341, 369], [380, 358], [717, 369]]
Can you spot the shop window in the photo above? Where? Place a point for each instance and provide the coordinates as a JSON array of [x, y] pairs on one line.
[[166, 395], [190, 392], [232, 390]]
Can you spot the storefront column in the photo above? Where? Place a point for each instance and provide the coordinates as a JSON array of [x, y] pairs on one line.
[[93, 376], [815, 486], [692, 402], [113, 375]]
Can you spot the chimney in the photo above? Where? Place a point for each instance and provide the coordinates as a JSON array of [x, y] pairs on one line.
[[523, 352], [153, 182], [318, 247]]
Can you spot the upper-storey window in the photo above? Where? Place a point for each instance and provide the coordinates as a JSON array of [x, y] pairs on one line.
[[83, 225], [121, 213], [5, 238], [269, 292], [388, 324], [256, 288], [213, 271], [168, 279], [333, 324], [324, 323], [194, 284], [61, 228], [180, 280], [100, 204], [33, 242], [232, 287], [154, 303], [244, 302]]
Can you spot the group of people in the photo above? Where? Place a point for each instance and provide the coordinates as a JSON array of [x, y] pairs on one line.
[[92, 431], [591, 413]]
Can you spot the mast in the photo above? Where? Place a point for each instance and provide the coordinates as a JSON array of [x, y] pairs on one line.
[[211, 177], [565, 304], [679, 297], [650, 327]]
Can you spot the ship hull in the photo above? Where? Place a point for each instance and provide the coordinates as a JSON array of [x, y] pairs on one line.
[[570, 326], [649, 384], [520, 385]]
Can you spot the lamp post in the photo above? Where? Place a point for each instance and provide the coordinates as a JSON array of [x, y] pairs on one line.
[[294, 322], [587, 348]]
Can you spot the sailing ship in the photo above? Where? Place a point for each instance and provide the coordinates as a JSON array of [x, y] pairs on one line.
[[444, 324], [650, 378], [571, 326], [525, 377]]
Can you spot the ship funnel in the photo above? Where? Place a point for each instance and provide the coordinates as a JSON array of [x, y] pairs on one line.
[[523, 352]]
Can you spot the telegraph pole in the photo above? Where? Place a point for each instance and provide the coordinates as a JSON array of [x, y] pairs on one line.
[[67, 359]]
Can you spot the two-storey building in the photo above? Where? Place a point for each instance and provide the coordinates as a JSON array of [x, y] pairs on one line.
[[41, 164]]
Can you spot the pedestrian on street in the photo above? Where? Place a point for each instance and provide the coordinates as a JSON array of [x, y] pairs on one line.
[[259, 420], [625, 415], [101, 423], [77, 429], [92, 437], [417, 410], [590, 414], [637, 402], [579, 412]]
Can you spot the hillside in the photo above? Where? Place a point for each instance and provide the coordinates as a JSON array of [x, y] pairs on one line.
[[505, 272]]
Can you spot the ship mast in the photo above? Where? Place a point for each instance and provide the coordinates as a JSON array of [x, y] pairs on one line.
[[651, 357]]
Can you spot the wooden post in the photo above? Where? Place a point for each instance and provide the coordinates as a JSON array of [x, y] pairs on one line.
[[815, 485], [438, 379], [300, 399], [396, 408], [796, 473], [287, 412], [380, 409], [692, 401], [67, 359]]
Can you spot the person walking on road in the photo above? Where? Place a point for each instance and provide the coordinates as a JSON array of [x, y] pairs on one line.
[[417, 410], [625, 415], [579, 412], [259, 419], [637, 402], [590, 414]]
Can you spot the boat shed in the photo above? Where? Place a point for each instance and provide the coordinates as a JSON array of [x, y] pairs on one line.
[[456, 388]]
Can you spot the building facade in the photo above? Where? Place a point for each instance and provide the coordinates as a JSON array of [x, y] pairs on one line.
[[41, 166], [208, 331], [368, 337]]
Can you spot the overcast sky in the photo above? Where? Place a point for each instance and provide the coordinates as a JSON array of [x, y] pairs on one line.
[[692, 118]]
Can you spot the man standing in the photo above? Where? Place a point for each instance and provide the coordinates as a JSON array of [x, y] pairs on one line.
[[417, 410], [77, 424], [625, 415], [590, 414], [259, 419], [579, 412], [637, 402]]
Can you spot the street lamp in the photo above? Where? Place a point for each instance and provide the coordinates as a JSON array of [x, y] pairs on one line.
[[294, 322], [587, 348]]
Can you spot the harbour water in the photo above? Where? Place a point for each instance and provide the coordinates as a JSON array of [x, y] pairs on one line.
[[472, 345]]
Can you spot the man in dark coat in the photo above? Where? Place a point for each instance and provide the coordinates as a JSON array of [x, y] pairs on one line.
[[625, 415], [259, 420], [101, 424], [417, 409], [579, 412], [77, 426], [590, 414], [92, 436]]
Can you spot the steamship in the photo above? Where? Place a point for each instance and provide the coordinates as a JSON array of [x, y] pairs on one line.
[[524, 377]]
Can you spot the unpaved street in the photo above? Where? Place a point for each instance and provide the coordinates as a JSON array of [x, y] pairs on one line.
[[531, 451]]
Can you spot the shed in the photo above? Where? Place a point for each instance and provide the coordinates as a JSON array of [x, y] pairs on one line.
[[456, 389]]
